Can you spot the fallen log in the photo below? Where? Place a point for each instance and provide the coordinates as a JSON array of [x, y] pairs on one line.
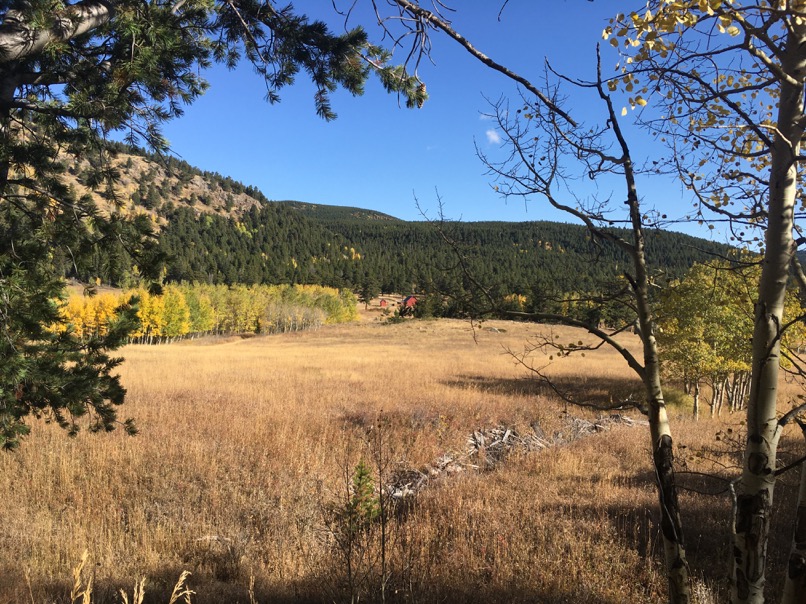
[[489, 447]]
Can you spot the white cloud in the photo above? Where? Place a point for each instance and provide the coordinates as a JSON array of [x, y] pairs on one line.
[[493, 137]]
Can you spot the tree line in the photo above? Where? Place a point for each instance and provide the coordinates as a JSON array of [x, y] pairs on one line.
[[190, 310]]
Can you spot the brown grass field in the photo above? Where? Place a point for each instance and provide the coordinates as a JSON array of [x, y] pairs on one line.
[[246, 451]]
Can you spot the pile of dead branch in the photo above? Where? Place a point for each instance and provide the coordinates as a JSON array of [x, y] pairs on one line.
[[489, 447]]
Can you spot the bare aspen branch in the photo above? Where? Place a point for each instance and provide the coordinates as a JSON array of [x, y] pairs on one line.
[[431, 18]]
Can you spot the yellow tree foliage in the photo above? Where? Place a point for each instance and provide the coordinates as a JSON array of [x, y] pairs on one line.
[[152, 316], [704, 319], [90, 315], [176, 313], [196, 309], [104, 310]]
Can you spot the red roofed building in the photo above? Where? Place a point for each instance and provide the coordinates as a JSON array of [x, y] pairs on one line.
[[407, 306]]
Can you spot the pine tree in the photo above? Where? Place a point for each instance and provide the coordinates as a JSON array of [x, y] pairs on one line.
[[370, 289]]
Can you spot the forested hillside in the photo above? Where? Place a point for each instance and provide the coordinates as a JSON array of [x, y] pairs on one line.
[[213, 229], [513, 256]]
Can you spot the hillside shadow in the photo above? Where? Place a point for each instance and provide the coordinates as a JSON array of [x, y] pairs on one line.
[[706, 516], [705, 520], [313, 591], [603, 393]]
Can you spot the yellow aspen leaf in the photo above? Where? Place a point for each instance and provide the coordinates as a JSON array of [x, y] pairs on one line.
[[623, 111], [733, 31], [641, 101]]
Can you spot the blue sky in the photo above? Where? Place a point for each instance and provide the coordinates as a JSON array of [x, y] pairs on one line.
[[380, 155]]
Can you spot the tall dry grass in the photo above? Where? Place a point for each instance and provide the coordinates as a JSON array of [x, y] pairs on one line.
[[247, 447]]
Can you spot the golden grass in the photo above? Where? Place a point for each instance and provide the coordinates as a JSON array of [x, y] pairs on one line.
[[246, 445]]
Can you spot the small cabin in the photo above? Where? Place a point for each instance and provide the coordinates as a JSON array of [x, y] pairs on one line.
[[384, 303], [407, 306]]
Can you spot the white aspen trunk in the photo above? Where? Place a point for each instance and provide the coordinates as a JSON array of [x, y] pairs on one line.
[[730, 391], [715, 396], [745, 391], [795, 584], [754, 495], [660, 431], [712, 398], [663, 458], [697, 401], [733, 392]]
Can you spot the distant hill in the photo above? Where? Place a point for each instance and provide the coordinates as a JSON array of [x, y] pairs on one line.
[[325, 213], [217, 230]]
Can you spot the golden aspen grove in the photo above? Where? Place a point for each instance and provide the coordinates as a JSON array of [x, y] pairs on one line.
[[183, 311]]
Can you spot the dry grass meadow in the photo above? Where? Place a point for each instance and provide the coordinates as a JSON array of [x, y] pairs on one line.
[[246, 452]]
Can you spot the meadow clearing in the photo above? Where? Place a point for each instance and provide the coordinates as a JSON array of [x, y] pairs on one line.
[[247, 454]]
